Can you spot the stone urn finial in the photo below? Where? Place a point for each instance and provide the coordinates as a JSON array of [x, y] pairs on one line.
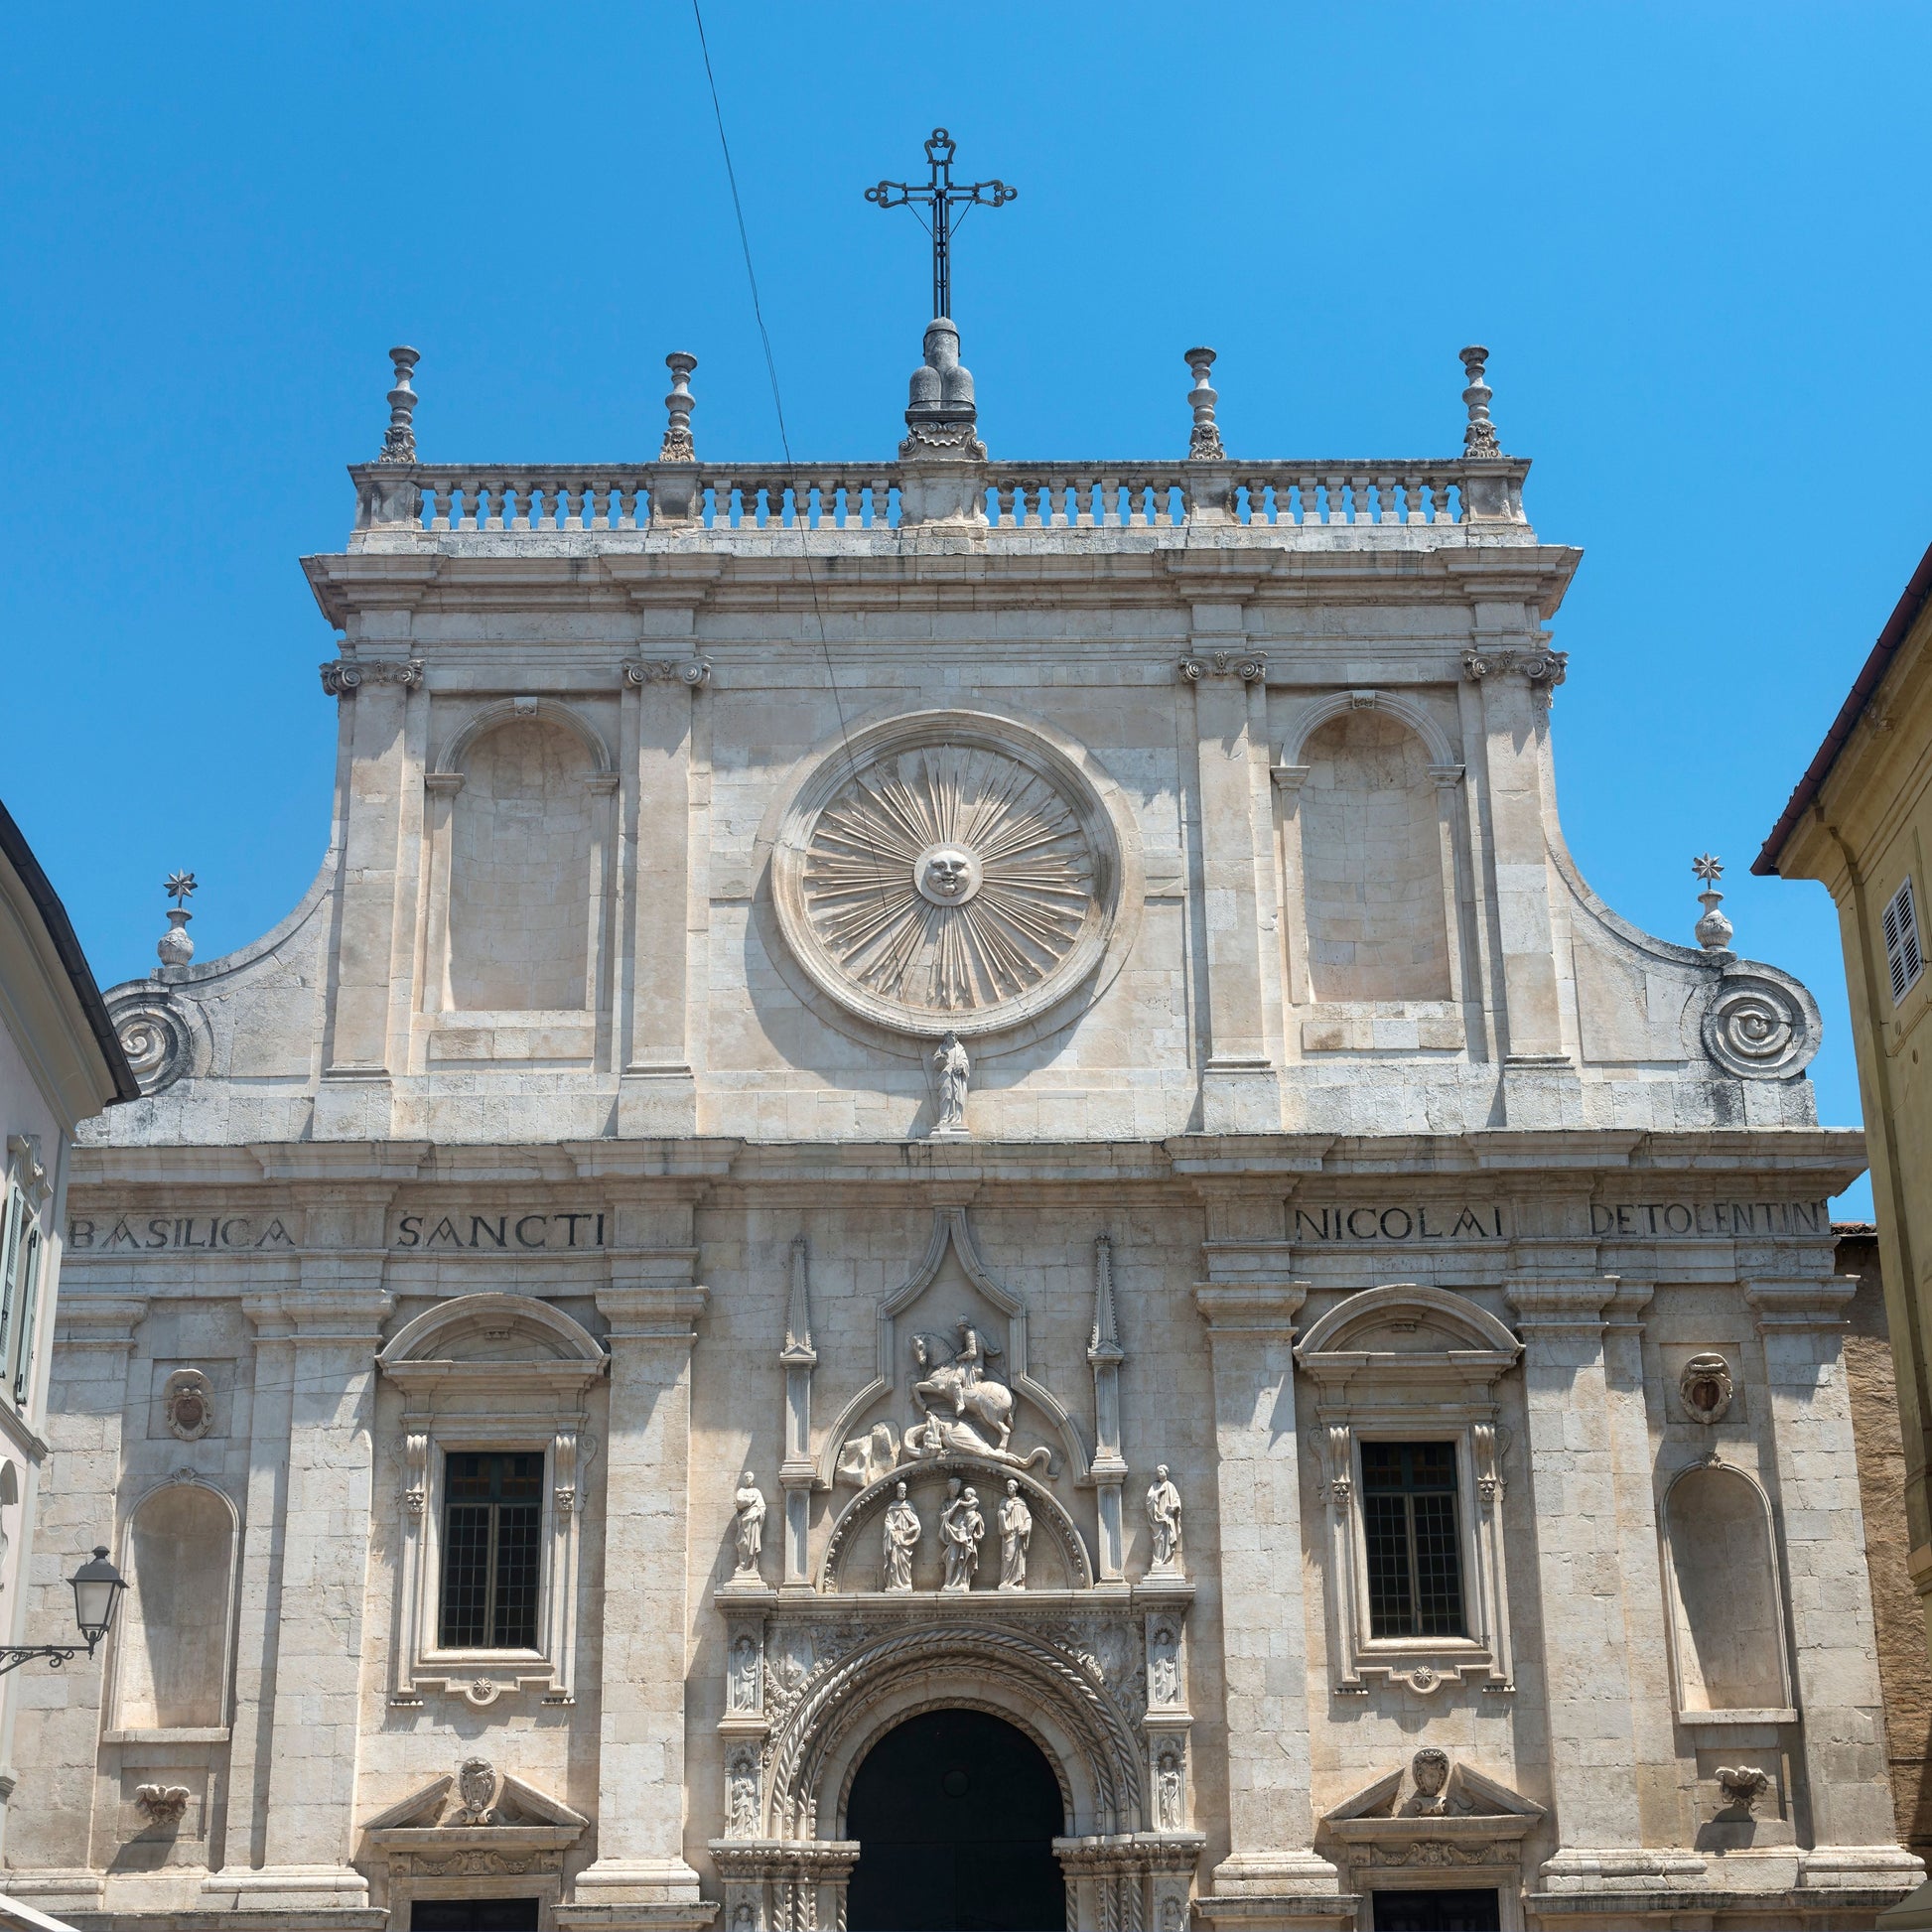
[[174, 946], [399, 441], [678, 445], [1713, 929], [1479, 439], [1204, 444]]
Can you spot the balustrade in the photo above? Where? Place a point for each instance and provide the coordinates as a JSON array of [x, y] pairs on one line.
[[1019, 497]]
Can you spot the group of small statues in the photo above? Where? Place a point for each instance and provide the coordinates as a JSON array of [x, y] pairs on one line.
[[962, 1529]]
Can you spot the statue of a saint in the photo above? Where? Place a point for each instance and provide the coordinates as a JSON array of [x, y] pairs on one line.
[[962, 1526], [750, 1527], [1015, 1532], [954, 1069], [970, 1361], [901, 1533], [1163, 1519]]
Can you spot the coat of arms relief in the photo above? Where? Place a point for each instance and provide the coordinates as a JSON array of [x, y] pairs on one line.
[[967, 1546]]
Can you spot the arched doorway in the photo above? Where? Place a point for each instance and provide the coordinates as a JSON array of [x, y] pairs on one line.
[[955, 1812]]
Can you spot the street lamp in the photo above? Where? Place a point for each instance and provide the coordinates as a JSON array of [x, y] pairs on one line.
[[97, 1588]]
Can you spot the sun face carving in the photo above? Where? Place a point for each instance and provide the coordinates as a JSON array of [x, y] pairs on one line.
[[947, 882]]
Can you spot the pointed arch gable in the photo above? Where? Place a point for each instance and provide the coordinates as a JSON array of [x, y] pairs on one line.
[[951, 1230]]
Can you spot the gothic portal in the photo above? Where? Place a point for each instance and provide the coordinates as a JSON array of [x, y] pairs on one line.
[[957, 1120]]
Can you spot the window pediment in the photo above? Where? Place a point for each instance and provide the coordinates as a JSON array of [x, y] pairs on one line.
[[473, 1342], [1403, 1331]]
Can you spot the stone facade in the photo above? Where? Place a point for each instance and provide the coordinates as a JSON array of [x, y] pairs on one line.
[[937, 994]]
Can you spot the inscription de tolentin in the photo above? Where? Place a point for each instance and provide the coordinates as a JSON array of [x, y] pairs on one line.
[[1721, 1218]]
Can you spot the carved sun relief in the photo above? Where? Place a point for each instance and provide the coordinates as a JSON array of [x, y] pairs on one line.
[[948, 879]]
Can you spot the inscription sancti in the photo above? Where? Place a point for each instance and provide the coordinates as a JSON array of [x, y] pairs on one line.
[[213, 1232], [498, 1233], [1712, 1218], [1432, 1221]]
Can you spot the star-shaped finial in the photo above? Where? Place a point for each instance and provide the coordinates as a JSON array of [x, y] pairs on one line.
[[179, 886], [1707, 868]]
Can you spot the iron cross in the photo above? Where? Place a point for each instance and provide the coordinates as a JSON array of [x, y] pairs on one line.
[[948, 201]]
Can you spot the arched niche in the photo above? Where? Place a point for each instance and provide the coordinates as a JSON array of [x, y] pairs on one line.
[[172, 1655], [1726, 1602], [1376, 867], [520, 837]]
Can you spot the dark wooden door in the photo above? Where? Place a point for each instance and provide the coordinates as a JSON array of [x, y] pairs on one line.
[[955, 1812]]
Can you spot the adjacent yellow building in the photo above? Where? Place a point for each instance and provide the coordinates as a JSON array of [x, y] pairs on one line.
[[1861, 823]]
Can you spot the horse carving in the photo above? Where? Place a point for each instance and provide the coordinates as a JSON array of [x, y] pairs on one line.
[[956, 1379]]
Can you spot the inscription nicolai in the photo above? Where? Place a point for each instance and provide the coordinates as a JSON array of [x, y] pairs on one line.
[[498, 1233], [1710, 1217], [1429, 1221], [118, 1233]]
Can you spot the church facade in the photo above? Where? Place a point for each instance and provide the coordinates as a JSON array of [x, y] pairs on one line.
[[949, 1203]]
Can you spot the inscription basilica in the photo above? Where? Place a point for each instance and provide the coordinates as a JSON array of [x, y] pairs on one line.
[[949, 1159]]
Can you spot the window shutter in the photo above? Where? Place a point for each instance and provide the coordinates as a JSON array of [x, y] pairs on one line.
[[1902, 954]]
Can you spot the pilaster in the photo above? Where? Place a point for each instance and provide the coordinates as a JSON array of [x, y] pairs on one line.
[[1516, 673], [1581, 1549], [1801, 1324], [327, 1338], [658, 1091], [1241, 1082], [373, 945], [1249, 1314], [640, 1877]]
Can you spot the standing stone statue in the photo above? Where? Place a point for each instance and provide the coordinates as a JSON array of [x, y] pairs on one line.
[[1163, 1519], [1015, 1532], [901, 1533], [750, 1527], [963, 1526], [955, 1070]]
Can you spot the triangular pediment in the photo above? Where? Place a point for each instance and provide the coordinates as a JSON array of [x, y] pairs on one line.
[[1410, 1794], [438, 1807]]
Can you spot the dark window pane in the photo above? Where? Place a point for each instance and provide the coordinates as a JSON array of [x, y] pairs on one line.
[[492, 1551], [473, 1915], [517, 1577], [1413, 1546], [1386, 1527]]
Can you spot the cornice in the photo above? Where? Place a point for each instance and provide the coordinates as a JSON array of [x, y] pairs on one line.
[[1523, 1164]]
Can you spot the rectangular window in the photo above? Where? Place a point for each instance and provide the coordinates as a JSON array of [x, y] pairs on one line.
[[1415, 1549], [1905, 958], [493, 1520]]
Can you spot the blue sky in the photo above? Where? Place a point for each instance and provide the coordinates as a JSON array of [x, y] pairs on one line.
[[1693, 238]]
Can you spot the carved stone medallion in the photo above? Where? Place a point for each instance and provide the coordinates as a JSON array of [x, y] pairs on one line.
[[948, 873]]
